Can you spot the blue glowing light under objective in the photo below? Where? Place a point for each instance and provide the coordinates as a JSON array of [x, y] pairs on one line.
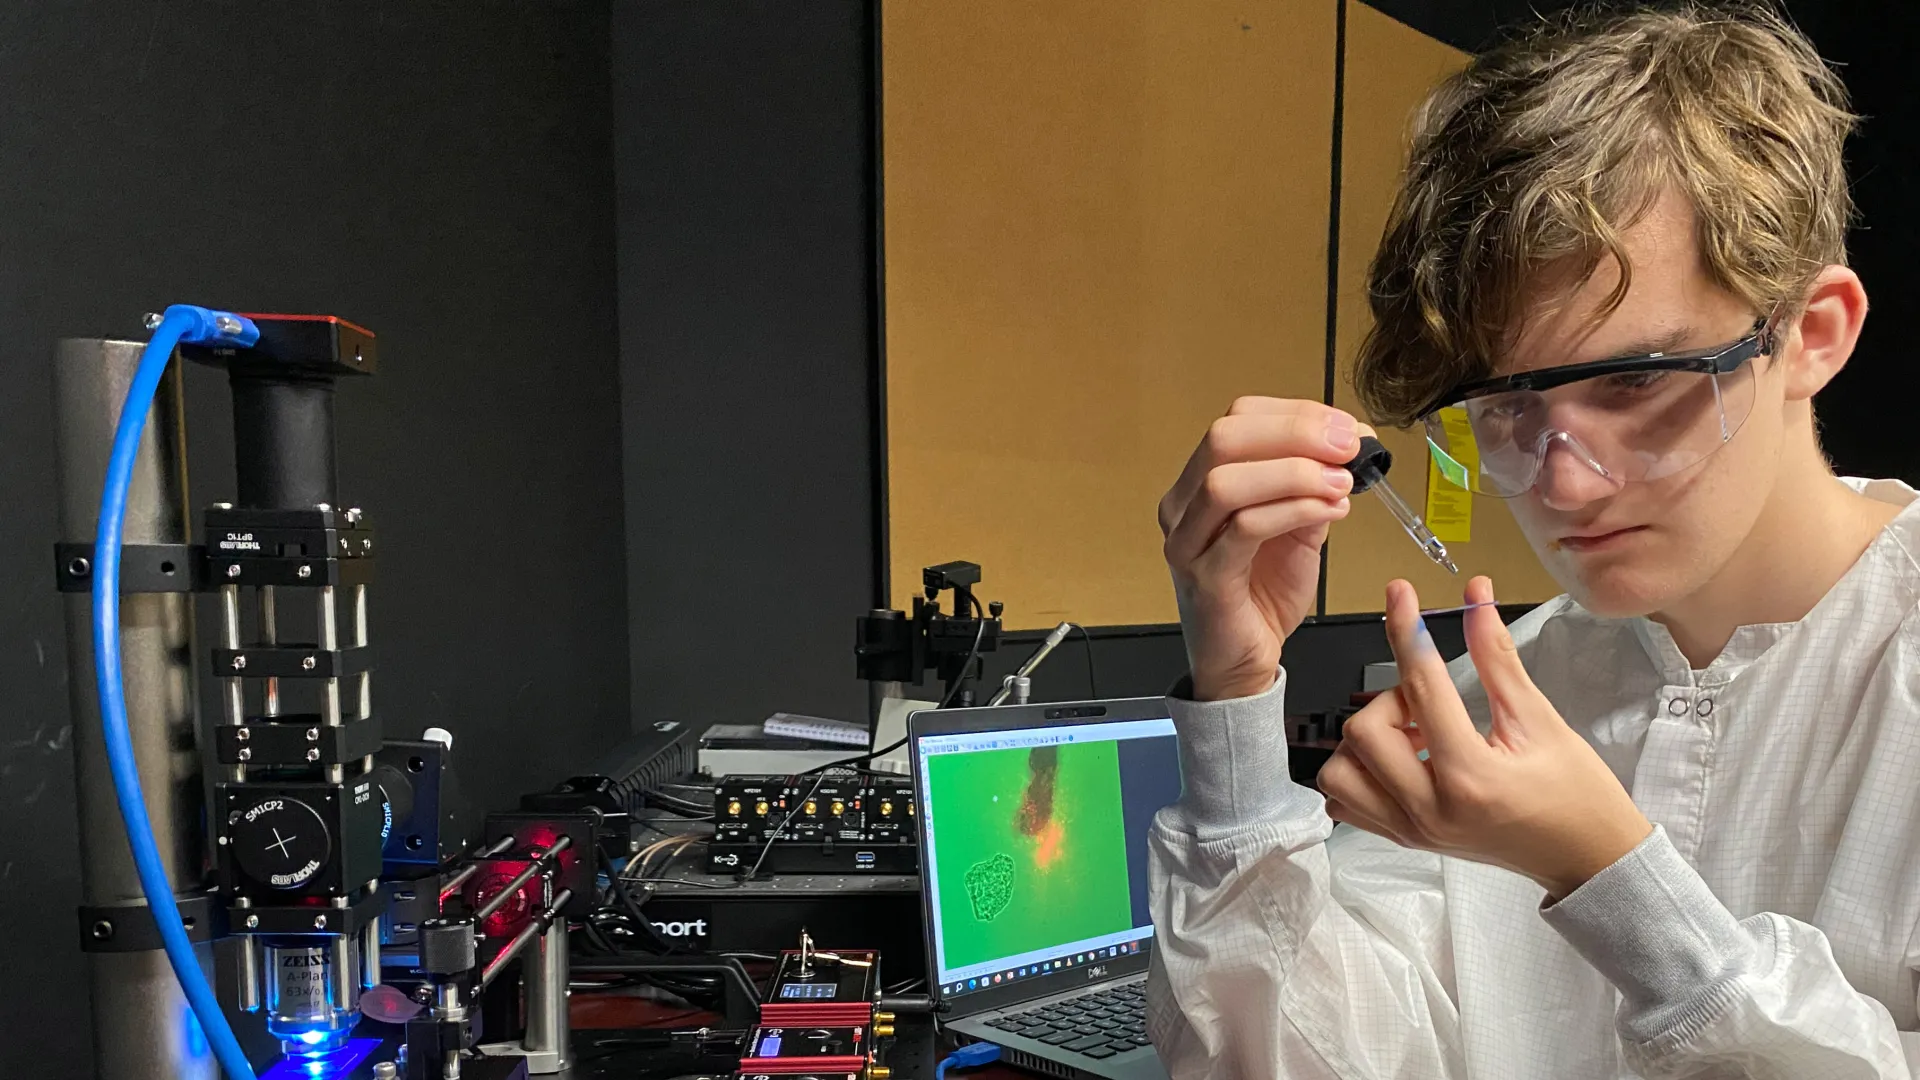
[[338, 1064]]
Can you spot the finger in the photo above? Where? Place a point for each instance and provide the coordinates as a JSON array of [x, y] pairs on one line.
[[1377, 736], [1254, 404], [1510, 689], [1340, 812], [1363, 801], [1242, 535], [1271, 429], [1425, 686], [1239, 485]]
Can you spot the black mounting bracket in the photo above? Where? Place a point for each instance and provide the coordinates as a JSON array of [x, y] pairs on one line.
[[144, 568]]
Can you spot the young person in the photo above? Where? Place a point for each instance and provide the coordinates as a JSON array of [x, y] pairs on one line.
[[1669, 825]]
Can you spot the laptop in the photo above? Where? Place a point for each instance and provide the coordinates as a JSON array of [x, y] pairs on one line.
[[1033, 825]]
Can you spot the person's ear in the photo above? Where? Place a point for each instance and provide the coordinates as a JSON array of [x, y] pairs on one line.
[[1826, 332]]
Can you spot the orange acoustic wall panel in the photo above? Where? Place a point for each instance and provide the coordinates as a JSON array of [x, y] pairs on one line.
[[1103, 221]]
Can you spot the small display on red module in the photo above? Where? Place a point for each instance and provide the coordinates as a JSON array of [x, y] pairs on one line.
[[787, 1051], [774, 1042]]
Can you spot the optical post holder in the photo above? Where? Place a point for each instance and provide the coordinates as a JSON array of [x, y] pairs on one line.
[[891, 647]]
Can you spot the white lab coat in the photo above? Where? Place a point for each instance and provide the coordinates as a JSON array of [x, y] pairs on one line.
[[1769, 928]]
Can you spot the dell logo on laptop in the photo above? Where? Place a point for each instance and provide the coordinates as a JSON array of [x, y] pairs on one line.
[[1097, 971]]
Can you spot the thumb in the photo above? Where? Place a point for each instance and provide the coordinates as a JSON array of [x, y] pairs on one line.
[[1510, 690]]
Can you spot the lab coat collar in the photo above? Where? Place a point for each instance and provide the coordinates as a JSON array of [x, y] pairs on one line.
[[1749, 643]]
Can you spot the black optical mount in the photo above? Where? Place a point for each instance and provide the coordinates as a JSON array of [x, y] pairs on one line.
[[890, 646]]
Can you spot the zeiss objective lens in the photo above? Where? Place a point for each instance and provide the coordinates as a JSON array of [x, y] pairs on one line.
[[309, 1009]]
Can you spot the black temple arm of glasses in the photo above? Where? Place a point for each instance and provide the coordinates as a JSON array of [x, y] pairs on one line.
[[1719, 361]]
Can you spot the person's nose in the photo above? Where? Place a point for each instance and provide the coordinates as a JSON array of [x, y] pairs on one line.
[[1570, 477]]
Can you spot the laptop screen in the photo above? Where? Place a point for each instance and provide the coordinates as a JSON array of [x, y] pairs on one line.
[[1036, 846]]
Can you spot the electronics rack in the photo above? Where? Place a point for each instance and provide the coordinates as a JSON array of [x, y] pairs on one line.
[[856, 823]]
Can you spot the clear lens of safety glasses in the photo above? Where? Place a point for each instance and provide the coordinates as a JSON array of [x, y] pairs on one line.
[[1638, 419]]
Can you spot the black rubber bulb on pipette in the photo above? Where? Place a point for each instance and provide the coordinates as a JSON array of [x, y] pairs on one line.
[[1370, 465]]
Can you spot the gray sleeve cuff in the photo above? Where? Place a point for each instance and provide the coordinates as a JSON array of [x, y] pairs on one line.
[[1653, 928], [1233, 762]]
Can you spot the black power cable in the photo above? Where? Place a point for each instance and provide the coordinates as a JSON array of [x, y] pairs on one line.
[[1093, 681], [629, 907], [859, 760], [782, 827]]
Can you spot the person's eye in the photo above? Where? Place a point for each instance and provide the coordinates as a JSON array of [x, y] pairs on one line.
[[1506, 408], [1634, 382]]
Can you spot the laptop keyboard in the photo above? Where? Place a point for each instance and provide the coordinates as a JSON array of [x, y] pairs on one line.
[[1098, 1025]]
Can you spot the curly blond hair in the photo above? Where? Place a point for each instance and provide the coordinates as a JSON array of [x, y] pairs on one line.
[[1544, 149]]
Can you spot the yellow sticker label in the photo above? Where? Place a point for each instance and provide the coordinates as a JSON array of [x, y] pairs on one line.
[[1449, 505]]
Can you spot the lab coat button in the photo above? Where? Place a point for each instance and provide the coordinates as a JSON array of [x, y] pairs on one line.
[[1704, 708], [1677, 707]]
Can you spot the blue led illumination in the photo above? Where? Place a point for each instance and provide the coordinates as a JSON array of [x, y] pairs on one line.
[[332, 1066], [196, 1038]]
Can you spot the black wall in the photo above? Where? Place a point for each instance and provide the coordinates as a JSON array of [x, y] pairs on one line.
[[441, 172], [1874, 46], [744, 136]]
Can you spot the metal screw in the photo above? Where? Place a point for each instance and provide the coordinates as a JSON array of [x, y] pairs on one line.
[[313, 754], [305, 571], [223, 841], [313, 734], [79, 567], [253, 921], [246, 753], [152, 320], [321, 506], [244, 734], [226, 324], [239, 663], [366, 543], [357, 358], [423, 993], [344, 545], [353, 514], [319, 922], [233, 569], [307, 663], [102, 930]]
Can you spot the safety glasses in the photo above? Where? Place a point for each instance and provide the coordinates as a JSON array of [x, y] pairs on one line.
[[1628, 418]]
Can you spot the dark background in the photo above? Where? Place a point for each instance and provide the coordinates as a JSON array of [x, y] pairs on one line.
[[622, 257], [440, 172]]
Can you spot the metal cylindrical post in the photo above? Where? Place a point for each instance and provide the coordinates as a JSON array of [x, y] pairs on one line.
[[346, 977], [137, 1004], [549, 1050], [248, 992], [233, 688], [370, 955], [360, 641], [270, 635]]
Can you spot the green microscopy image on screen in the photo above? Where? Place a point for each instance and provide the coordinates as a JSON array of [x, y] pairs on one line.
[[1030, 849]]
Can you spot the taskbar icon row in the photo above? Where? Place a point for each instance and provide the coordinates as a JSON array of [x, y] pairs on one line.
[[1048, 967]]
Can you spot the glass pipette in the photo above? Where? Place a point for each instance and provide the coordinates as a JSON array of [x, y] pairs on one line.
[[1369, 469]]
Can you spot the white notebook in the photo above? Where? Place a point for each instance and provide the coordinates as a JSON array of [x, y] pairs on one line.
[[816, 728]]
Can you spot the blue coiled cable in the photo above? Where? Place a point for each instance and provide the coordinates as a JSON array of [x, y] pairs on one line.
[[191, 325]]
